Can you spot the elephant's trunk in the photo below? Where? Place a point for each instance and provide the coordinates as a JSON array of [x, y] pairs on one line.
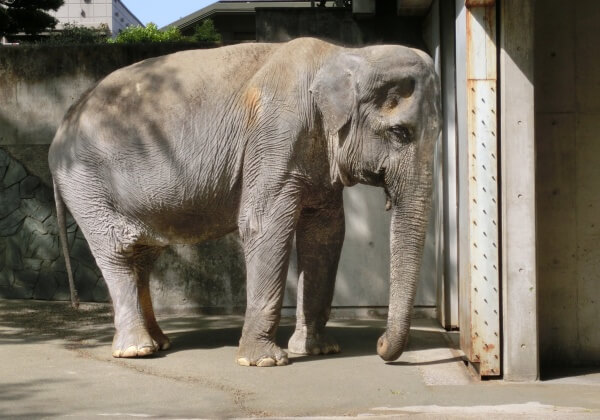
[[407, 237], [409, 183]]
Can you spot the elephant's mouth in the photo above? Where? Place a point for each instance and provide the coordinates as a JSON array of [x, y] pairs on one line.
[[376, 179], [345, 177]]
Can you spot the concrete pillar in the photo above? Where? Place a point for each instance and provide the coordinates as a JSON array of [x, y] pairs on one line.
[[519, 283]]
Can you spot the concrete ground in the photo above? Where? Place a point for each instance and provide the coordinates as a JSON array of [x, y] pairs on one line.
[[56, 362]]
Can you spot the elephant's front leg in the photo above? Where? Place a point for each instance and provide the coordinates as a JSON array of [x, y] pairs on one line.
[[266, 233], [319, 238]]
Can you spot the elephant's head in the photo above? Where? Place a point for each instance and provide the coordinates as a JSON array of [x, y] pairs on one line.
[[380, 108]]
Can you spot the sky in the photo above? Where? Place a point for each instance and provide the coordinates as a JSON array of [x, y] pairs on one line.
[[164, 12]]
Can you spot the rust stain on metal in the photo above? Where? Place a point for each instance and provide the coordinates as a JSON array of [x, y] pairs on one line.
[[480, 3], [488, 347], [469, 38], [490, 19], [481, 43]]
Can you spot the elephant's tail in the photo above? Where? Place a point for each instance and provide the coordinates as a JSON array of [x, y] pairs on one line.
[[62, 233]]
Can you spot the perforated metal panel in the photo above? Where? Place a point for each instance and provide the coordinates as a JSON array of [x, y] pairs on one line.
[[483, 214], [480, 276]]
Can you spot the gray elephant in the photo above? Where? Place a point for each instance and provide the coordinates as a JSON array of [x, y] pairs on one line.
[[261, 138]]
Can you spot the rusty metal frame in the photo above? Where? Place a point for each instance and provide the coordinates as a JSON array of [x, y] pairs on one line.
[[480, 326], [480, 3]]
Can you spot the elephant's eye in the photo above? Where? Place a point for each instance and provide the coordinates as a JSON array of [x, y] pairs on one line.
[[402, 133]]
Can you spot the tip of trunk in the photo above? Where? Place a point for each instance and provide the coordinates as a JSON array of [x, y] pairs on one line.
[[386, 350]]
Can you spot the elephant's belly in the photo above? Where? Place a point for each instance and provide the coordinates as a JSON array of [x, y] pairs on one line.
[[177, 202], [180, 218], [188, 227]]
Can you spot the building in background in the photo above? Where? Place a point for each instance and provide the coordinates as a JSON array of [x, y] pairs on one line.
[[93, 13], [235, 20]]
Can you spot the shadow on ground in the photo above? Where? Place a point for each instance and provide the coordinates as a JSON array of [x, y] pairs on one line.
[[31, 321], [550, 373], [91, 326], [11, 392]]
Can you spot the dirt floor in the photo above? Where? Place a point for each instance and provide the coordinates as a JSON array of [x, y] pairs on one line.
[[56, 362]]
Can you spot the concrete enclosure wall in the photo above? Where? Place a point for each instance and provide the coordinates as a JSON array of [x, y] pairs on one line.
[[567, 101], [37, 85], [337, 25]]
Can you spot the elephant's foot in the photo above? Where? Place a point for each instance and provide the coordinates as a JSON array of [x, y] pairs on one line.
[[303, 342], [133, 342], [160, 339], [261, 353]]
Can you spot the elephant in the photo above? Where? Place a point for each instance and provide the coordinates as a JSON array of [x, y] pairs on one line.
[[260, 138]]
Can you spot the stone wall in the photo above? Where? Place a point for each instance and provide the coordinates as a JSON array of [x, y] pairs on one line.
[[31, 264]]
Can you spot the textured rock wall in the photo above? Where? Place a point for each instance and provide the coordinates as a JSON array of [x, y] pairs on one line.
[[202, 277], [31, 264]]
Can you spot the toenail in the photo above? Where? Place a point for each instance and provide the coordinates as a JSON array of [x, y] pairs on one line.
[[242, 361], [266, 362]]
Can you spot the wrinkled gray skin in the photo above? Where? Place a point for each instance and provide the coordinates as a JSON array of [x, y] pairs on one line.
[[261, 138]]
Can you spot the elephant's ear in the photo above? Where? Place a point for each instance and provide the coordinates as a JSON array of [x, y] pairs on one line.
[[335, 90]]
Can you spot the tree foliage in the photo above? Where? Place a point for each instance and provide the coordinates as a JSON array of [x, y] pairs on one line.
[[149, 33], [206, 32], [27, 16]]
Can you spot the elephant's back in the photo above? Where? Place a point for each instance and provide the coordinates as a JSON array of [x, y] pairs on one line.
[[184, 76], [159, 104], [161, 134]]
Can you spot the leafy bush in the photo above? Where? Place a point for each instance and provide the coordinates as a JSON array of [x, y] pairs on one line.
[[150, 33], [75, 34], [206, 32]]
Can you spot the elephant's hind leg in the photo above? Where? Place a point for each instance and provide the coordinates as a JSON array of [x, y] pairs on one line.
[[143, 266], [117, 259], [319, 238]]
